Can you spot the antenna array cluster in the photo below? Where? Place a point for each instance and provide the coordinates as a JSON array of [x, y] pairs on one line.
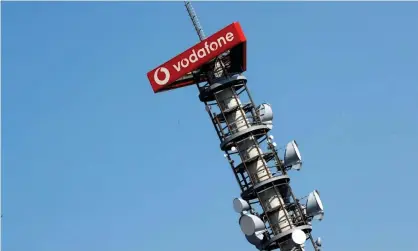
[[270, 215]]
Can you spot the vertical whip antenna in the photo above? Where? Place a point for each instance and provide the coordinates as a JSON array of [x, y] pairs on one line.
[[195, 20]]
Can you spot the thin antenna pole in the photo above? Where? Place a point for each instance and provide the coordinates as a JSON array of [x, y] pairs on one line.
[[195, 20]]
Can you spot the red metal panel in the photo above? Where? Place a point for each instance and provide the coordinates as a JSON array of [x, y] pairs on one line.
[[164, 76]]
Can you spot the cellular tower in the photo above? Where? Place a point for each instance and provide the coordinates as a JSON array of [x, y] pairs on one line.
[[270, 216]]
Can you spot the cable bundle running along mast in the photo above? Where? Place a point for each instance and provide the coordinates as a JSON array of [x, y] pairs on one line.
[[271, 217]]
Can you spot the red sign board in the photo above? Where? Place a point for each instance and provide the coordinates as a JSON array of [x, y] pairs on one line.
[[163, 76]]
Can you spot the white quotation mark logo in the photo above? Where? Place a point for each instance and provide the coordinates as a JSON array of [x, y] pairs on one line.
[[166, 74]]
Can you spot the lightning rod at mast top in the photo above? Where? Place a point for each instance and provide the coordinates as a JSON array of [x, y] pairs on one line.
[[195, 20]]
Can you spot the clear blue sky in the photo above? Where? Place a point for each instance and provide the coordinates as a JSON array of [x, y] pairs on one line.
[[94, 160]]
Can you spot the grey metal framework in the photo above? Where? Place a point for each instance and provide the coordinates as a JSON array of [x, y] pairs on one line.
[[255, 163]]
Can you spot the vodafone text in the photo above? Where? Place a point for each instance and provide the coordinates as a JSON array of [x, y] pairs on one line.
[[201, 53], [194, 56]]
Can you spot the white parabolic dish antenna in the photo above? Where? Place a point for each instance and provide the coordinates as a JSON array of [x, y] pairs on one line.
[[251, 224], [298, 236], [240, 205], [314, 204], [266, 112], [292, 155]]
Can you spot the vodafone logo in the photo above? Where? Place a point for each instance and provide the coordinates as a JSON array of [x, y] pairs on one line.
[[166, 74]]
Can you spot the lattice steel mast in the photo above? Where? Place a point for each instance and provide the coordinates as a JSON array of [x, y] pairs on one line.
[[271, 216]]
